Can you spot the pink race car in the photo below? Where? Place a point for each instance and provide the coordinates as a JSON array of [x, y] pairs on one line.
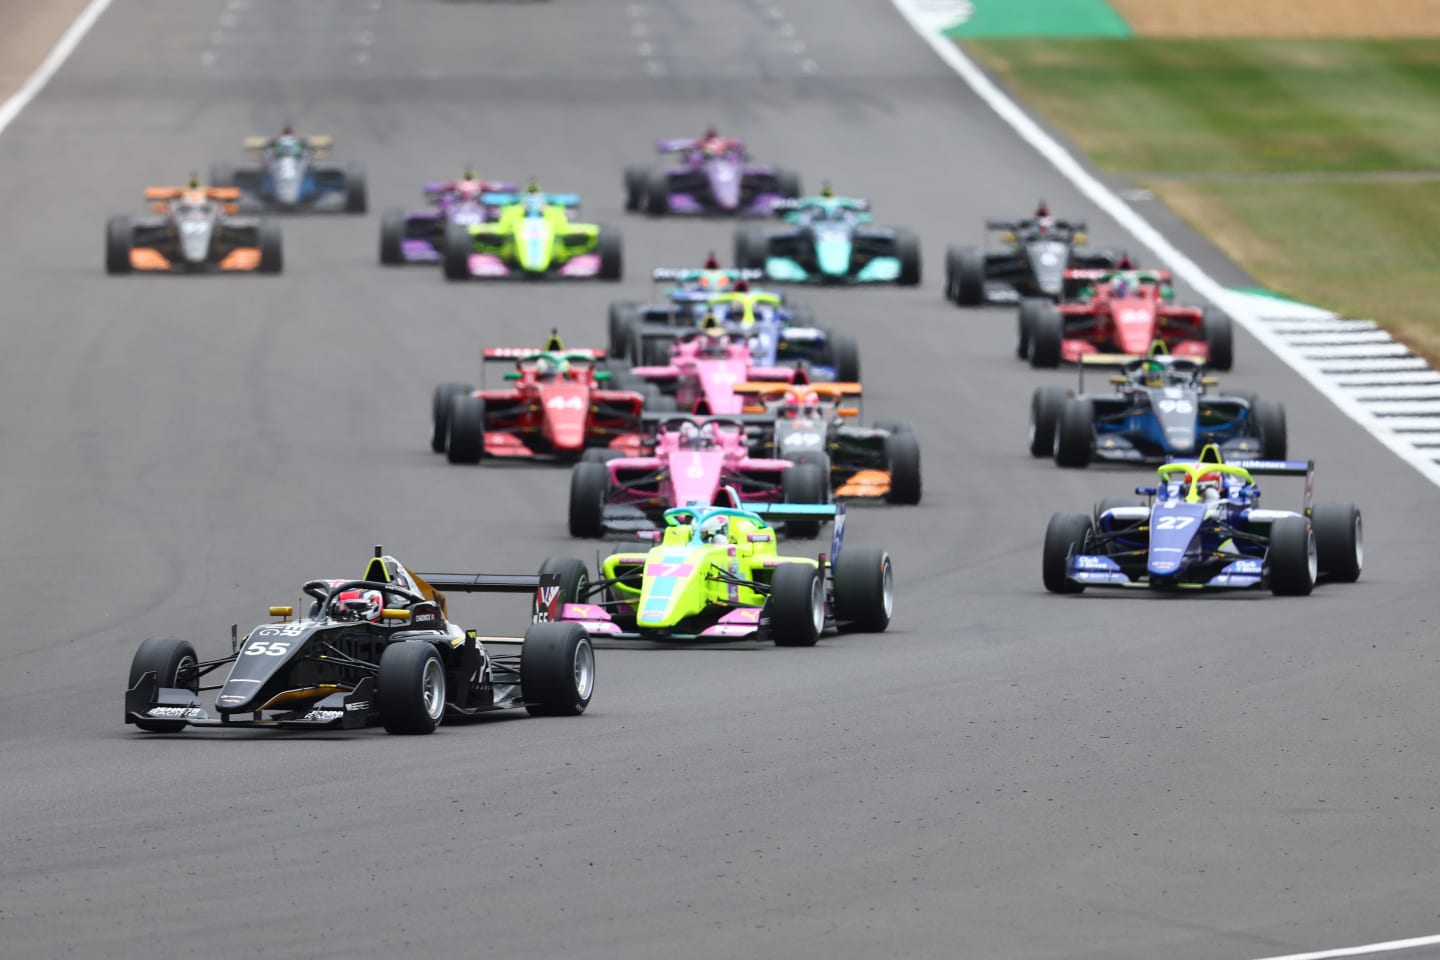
[[688, 460], [704, 366]]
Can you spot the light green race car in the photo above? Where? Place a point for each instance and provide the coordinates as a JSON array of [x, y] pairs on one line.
[[715, 573], [532, 237]]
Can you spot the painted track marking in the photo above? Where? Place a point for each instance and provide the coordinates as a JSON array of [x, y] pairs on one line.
[[52, 63]]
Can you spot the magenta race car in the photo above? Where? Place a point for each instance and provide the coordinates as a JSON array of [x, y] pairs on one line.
[[715, 176], [704, 366], [418, 236]]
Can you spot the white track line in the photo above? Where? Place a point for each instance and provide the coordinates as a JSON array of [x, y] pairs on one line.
[[1365, 951], [66, 45], [914, 12]]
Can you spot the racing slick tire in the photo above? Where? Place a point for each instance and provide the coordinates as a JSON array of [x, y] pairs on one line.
[[1065, 533], [843, 352], [864, 588], [804, 483], [1249, 396], [1045, 406], [1075, 433], [456, 250], [902, 453], [907, 251], [820, 461], [1292, 559], [750, 248], [411, 687], [272, 255], [440, 403], [657, 194], [119, 241], [392, 237], [635, 178], [1339, 540], [356, 198], [787, 184], [965, 276], [624, 320], [466, 443], [796, 606], [894, 426], [173, 662], [1219, 339], [1047, 336], [1270, 425], [557, 670], [1025, 323], [222, 175], [612, 253], [661, 403], [652, 351], [589, 489], [574, 577]]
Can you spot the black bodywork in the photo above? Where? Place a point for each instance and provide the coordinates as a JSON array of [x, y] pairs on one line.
[[1031, 262]]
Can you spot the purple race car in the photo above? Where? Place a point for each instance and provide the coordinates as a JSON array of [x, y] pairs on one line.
[[418, 236], [714, 177]]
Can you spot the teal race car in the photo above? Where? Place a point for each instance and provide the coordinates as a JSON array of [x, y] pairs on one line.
[[532, 237], [716, 573], [830, 241]]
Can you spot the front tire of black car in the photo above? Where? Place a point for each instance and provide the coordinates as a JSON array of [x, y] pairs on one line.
[[966, 266], [466, 442], [1339, 540], [174, 664], [1065, 534], [865, 589], [440, 404], [1045, 406], [796, 605], [589, 488], [1075, 433], [557, 670], [1293, 559], [411, 688]]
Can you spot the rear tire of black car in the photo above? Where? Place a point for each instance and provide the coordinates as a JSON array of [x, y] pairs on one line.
[[1025, 323], [652, 351], [657, 194], [907, 251], [864, 588], [1339, 540], [801, 484], [1066, 533], [635, 178], [272, 256], [750, 248], [844, 353], [557, 670], [1047, 336], [440, 404], [1270, 424], [356, 196], [966, 266], [410, 687], [574, 576], [1045, 406], [119, 241], [174, 664], [787, 184], [820, 461], [455, 254], [1075, 433], [467, 430], [902, 453], [392, 237], [589, 488], [1292, 558], [796, 606], [612, 255], [1219, 339], [624, 320]]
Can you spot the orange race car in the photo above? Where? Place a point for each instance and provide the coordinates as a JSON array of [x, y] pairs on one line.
[[192, 229], [881, 460]]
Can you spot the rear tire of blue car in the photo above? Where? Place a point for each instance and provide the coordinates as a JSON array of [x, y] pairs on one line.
[[1219, 338], [174, 664], [844, 356], [589, 489], [1047, 336], [1075, 433], [557, 670], [1066, 533], [119, 241], [750, 248], [796, 607], [902, 455], [1270, 425], [864, 589], [410, 687], [1292, 559], [965, 276], [1045, 406], [907, 251], [272, 257], [803, 483], [440, 404], [610, 248], [466, 442], [392, 237], [458, 246], [1339, 540], [356, 197]]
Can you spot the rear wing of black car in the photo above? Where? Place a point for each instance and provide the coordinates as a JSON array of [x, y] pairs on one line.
[[544, 586]]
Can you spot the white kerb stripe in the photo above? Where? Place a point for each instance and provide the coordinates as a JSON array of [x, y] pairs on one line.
[[1388, 946], [65, 46]]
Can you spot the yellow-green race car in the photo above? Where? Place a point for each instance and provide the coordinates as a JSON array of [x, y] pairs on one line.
[[715, 573], [532, 237]]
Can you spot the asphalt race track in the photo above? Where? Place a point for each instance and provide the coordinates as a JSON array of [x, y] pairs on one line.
[[1004, 774]]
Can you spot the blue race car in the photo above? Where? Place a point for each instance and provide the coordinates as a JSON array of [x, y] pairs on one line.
[[830, 241], [1159, 410], [1203, 528], [290, 175]]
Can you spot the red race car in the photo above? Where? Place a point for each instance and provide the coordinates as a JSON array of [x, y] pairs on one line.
[[555, 404], [1121, 311]]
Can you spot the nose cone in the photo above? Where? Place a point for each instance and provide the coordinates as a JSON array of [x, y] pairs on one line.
[[287, 177], [1173, 527], [1134, 320], [725, 182], [566, 409], [832, 252], [695, 475]]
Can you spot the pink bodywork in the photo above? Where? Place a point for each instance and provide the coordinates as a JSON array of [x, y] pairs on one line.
[[489, 265], [696, 475], [699, 377], [738, 623]]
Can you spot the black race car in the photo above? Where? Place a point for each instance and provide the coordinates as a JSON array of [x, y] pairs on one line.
[[1036, 253], [375, 650]]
